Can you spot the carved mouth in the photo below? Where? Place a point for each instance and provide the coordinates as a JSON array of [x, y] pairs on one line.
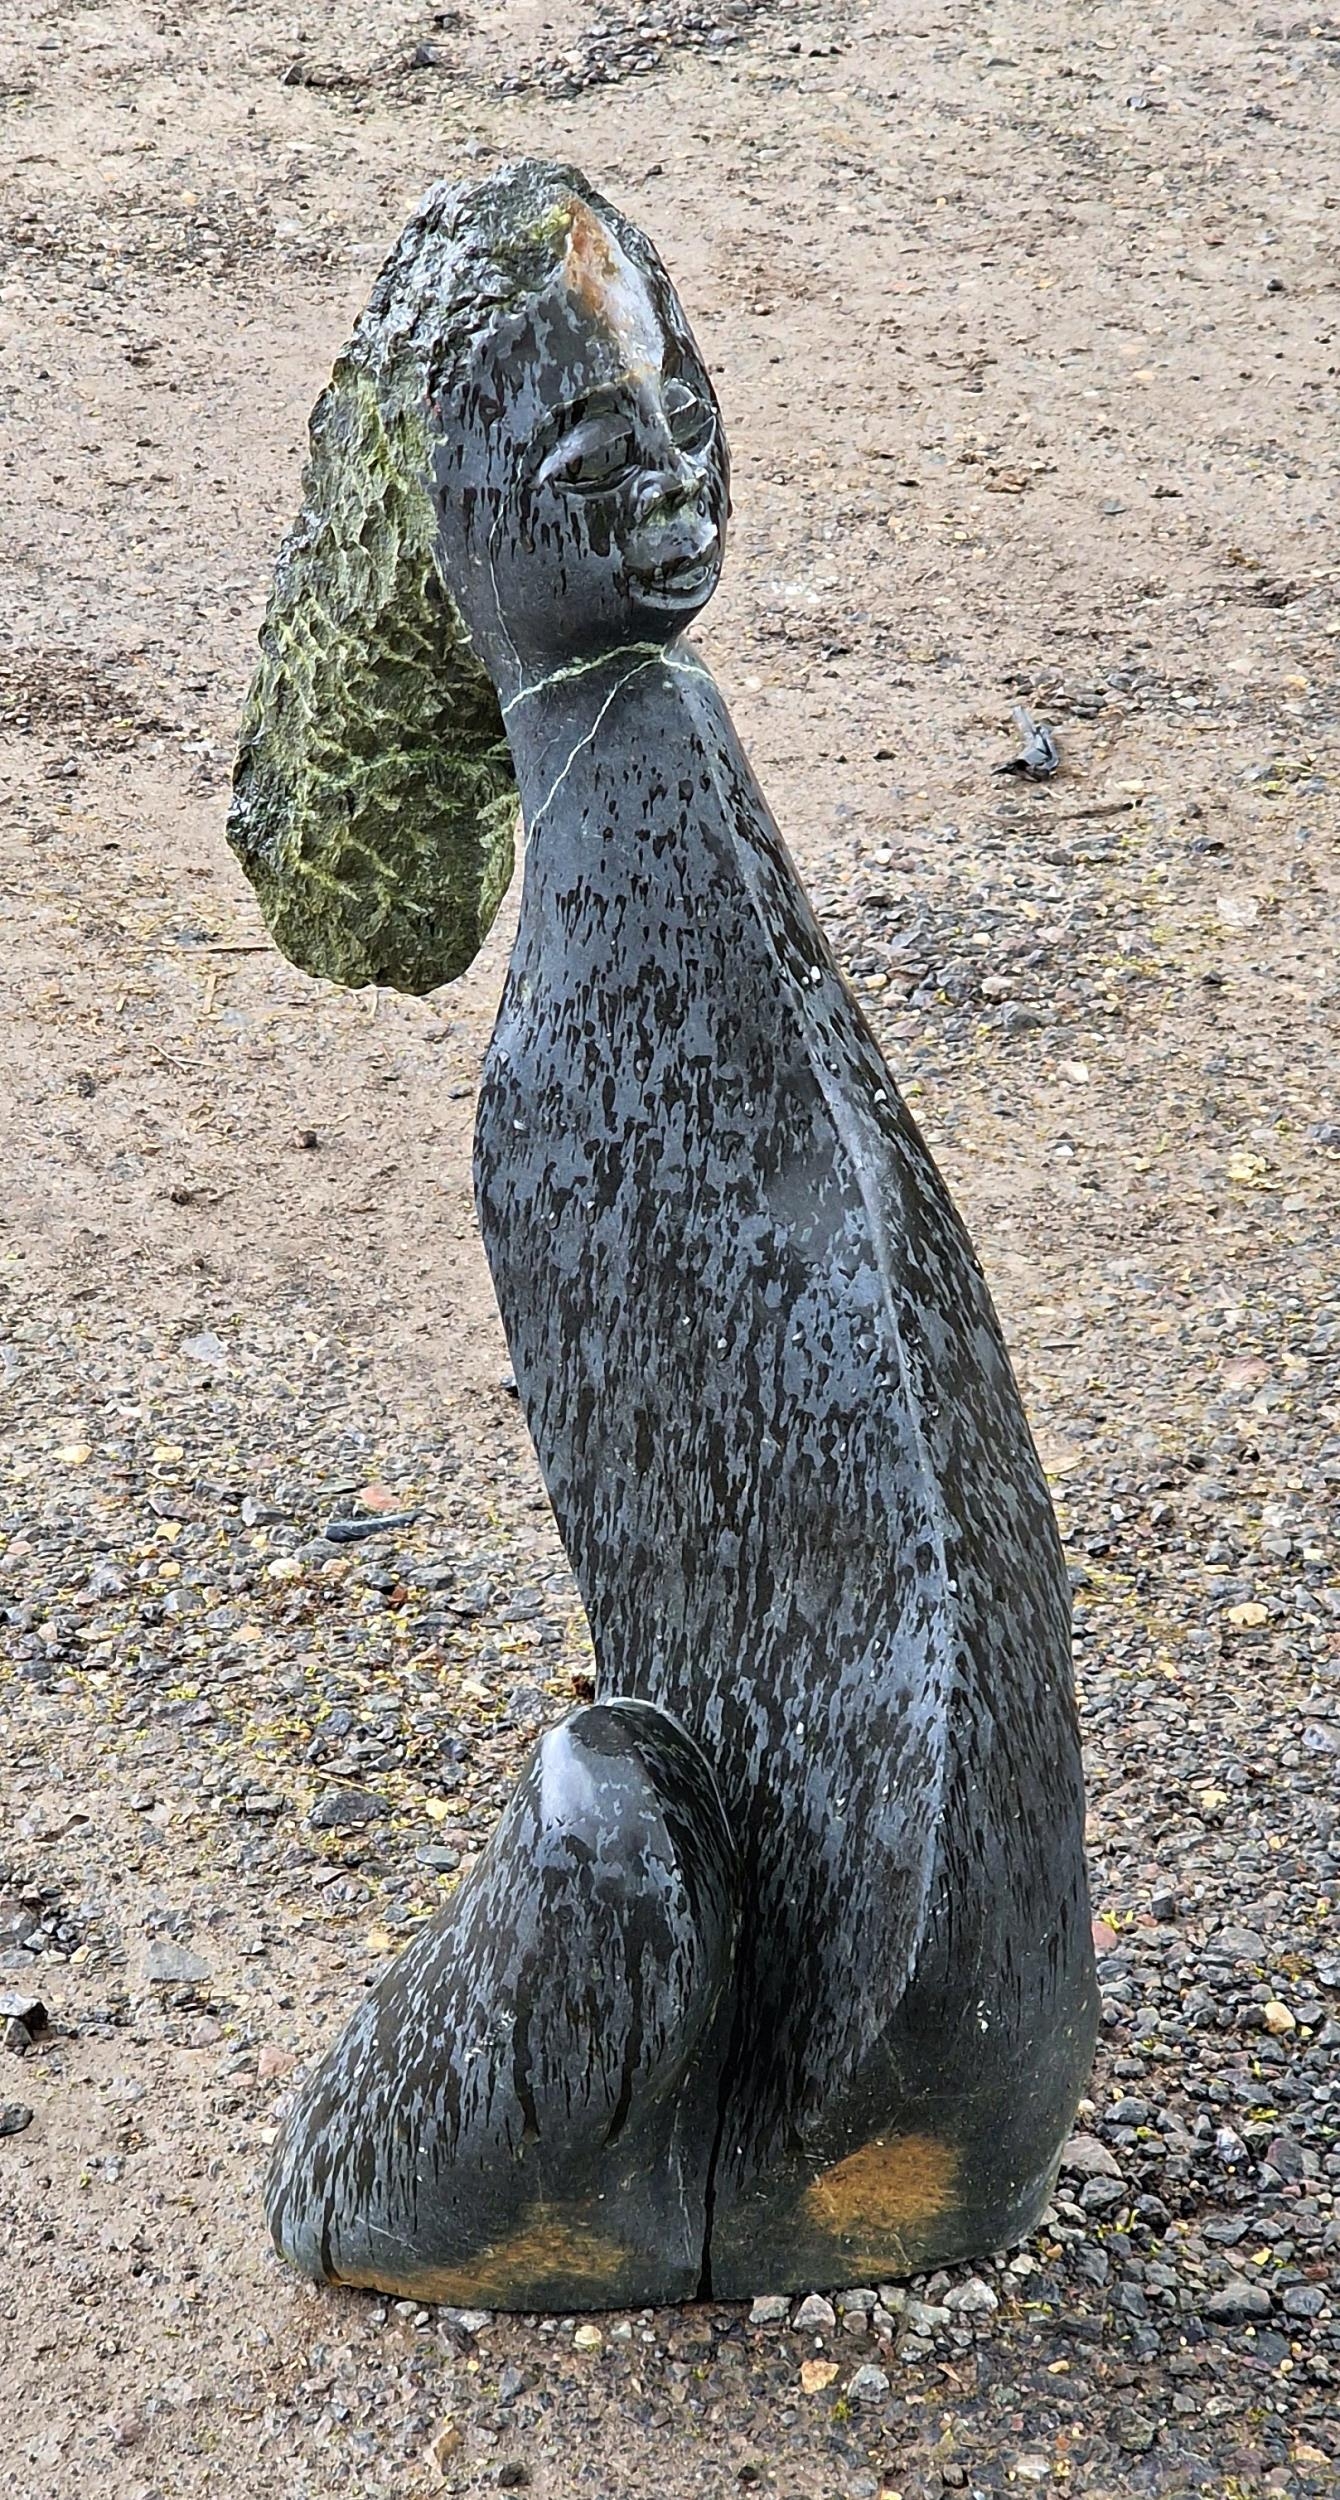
[[682, 581]]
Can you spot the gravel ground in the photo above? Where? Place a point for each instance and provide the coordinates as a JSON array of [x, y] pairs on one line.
[[1025, 323]]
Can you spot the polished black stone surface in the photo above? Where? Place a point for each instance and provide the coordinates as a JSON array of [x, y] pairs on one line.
[[778, 1970]]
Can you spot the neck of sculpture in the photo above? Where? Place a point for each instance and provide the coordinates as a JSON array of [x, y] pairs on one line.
[[601, 734]]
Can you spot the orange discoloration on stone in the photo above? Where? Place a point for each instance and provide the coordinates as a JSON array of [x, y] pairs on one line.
[[611, 291], [887, 2192], [554, 2255], [590, 269]]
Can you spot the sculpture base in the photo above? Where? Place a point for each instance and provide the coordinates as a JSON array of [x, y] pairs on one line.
[[883, 2214], [567, 2260]]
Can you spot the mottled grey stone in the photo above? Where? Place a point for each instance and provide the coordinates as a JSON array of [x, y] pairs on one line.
[[1238, 2301], [779, 1966], [170, 1965], [815, 2316]]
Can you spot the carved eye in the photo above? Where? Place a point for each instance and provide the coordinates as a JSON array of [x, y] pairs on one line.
[[595, 457], [692, 419]]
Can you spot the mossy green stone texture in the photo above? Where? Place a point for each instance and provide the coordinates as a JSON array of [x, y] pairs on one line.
[[373, 803]]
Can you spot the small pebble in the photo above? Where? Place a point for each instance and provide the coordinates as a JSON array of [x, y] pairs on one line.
[[17, 2006], [816, 2375], [925, 2317], [345, 1809], [171, 1965], [444, 2443], [1084, 2157], [1237, 2302]]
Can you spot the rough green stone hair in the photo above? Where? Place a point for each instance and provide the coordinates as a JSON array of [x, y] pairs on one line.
[[373, 798]]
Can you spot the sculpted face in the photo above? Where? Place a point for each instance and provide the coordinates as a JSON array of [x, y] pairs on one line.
[[581, 475]]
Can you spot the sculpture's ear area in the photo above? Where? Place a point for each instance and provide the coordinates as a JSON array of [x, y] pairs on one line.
[[373, 801]]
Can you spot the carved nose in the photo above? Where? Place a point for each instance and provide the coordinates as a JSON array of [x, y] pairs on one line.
[[664, 490]]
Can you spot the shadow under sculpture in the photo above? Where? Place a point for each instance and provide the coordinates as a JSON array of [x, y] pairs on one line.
[[778, 1968]]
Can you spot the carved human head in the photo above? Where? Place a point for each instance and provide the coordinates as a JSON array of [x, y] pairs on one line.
[[580, 468], [518, 461]]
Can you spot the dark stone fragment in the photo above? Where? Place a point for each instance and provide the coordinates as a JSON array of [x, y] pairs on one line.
[[14, 2117], [430, 1575], [472, 1602], [344, 1809], [1086, 2157], [17, 2006], [19, 1920], [1236, 1944], [171, 1965], [1265, 2349], [1238, 2301], [1291, 2160], [354, 1531]]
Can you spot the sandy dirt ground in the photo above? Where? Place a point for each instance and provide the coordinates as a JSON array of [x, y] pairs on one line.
[[1024, 320]]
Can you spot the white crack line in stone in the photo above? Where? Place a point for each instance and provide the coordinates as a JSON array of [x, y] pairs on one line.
[[660, 657], [577, 668]]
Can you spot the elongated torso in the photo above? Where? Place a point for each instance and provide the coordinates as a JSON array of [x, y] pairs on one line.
[[776, 1420]]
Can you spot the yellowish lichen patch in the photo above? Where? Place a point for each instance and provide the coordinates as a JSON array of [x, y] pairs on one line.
[[555, 2258], [887, 2192]]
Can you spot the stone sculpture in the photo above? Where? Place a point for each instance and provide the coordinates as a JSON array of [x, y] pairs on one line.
[[778, 1969]]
